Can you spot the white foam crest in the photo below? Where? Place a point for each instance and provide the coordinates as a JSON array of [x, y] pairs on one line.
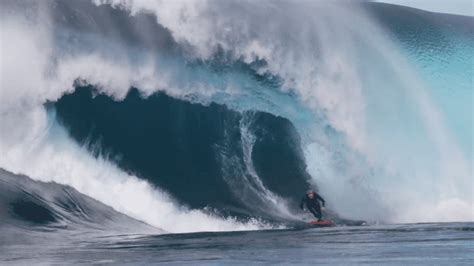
[[31, 49]]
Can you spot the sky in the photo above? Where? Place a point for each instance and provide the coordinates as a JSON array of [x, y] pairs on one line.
[[460, 7]]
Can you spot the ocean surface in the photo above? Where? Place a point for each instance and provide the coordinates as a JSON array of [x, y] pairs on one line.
[[413, 244], [188, 131]]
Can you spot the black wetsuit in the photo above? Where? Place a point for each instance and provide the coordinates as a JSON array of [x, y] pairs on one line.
[[313, 205]]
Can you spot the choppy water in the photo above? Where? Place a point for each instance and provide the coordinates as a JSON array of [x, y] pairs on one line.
[[405, 244]]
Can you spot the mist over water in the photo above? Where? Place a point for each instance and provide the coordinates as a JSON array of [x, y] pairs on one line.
[[378, 134]]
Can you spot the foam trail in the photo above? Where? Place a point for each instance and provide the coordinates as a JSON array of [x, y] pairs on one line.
[[248, 140]]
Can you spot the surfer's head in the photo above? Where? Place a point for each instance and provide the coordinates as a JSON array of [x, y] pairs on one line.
[[310, 194]]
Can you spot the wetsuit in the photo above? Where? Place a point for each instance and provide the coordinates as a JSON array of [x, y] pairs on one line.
[[313, 205]]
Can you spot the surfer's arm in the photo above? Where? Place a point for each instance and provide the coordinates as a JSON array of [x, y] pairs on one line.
[[302, 203], [321, 199]]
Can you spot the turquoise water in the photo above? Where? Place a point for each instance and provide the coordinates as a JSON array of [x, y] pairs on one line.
[[445, 62]]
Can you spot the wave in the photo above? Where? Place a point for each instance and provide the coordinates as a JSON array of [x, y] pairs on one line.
[[325, 94], [43, 206]]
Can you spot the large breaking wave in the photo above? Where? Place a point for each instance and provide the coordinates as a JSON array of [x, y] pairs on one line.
[[217, 115]]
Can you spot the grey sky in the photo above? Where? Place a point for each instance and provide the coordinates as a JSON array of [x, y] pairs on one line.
[[461, 7]]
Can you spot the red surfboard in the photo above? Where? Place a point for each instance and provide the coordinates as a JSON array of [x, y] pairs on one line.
[[322, 223]]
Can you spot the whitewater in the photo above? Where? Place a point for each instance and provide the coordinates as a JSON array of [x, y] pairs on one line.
[[148, 118]]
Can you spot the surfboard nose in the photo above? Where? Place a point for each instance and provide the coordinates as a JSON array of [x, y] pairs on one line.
[[322, 223]]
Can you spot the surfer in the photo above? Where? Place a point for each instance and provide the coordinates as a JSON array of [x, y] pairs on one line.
[[311, 200]]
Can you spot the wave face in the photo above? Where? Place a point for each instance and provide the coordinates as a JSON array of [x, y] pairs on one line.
[[441, 47], [217, 115]]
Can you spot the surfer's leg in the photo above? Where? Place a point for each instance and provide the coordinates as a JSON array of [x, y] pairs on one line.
[[315, 212]]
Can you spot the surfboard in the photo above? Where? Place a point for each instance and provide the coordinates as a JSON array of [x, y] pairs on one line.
[[322, 223]]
